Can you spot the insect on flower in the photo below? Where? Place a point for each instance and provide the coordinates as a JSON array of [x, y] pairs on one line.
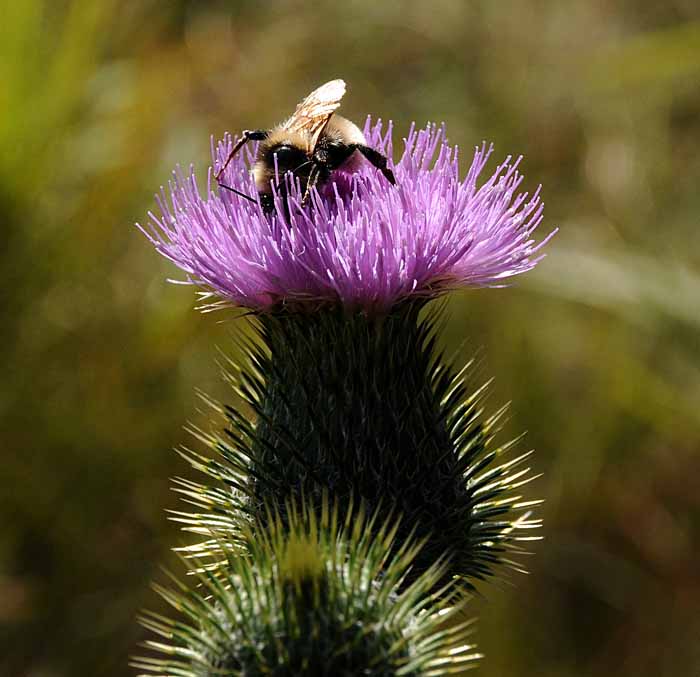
[[311, 144]]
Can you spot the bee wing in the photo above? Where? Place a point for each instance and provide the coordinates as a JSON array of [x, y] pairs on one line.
[[313, 113]]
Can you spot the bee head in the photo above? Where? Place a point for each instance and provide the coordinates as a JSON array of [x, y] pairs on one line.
[[289, 158]]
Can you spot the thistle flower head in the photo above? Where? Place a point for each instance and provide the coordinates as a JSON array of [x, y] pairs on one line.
[[360, 242], [319, 596]]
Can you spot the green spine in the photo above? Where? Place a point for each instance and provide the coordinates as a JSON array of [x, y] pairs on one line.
[[312, 596]]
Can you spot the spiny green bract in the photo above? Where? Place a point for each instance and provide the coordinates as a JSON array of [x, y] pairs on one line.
[[313, 596], [364, 407]]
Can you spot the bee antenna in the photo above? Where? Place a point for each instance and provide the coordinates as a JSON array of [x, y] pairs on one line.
[[237, 192]]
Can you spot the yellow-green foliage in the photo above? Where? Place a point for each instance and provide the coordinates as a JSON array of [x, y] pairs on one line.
[[597, 348]]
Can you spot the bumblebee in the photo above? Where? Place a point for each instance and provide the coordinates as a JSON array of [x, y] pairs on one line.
[[311, 144]]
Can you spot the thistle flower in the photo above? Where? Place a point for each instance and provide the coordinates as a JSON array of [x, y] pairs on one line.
[[354, 402], [319, 596], [361, 242]]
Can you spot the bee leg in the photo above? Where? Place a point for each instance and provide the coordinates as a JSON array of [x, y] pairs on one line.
[[314, 176], [247, 135], [377, 159]]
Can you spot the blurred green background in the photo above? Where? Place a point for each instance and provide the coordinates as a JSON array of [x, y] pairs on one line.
[[598, 348]]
